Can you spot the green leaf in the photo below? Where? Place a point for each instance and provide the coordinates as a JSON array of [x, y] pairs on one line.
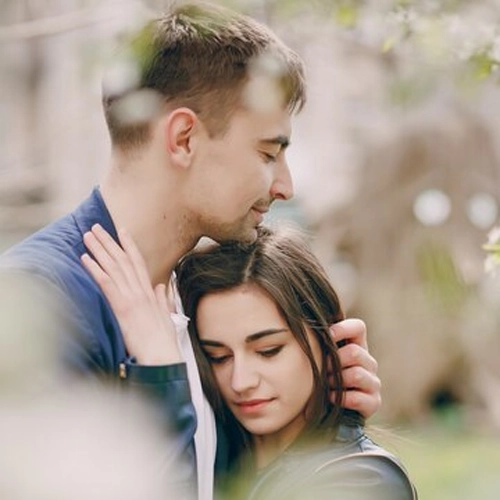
[[347, 16], [389, 44]]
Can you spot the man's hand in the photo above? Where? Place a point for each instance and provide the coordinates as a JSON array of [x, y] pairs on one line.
[[359, 368]]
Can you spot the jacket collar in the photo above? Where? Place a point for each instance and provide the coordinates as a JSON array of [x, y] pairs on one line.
[[92, 211]]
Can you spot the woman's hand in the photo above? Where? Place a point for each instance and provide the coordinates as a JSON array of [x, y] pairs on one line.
[[142, 312]]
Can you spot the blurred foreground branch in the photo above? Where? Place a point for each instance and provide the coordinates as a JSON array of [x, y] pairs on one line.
[[55, 25]]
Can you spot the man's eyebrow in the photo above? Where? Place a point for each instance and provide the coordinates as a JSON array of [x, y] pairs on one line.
[[251, 338], [281, 140]]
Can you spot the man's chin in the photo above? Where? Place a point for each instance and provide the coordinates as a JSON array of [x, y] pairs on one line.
[[249, 237], [245, 236]]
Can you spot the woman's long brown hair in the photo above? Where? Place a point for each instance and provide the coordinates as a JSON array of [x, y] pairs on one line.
[[281, 264]]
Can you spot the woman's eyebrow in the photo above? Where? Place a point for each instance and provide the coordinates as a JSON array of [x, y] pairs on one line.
[[211, 343], [264, 333], [251, 338]]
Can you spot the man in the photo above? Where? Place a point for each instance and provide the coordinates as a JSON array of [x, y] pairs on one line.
[[204, 157]]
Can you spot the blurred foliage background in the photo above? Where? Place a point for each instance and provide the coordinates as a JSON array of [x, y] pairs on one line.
[[396, 166]]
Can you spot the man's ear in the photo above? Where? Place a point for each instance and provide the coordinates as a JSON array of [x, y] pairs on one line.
[[180, 128]]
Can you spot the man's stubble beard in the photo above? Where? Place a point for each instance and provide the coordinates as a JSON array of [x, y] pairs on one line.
[[243, 231]]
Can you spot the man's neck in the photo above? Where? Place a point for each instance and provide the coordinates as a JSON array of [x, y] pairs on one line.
[[156, 226]]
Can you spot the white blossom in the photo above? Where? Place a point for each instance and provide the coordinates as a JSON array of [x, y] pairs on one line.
[[494, 236]]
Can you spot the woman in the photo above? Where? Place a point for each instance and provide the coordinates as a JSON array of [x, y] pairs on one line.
[[259, 319]]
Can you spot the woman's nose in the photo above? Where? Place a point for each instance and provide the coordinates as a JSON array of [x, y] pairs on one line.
[[243, 377]]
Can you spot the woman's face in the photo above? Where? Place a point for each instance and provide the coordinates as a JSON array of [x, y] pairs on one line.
[[261, 371]]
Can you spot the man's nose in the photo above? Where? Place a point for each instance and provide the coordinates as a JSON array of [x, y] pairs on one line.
[[282, 187]]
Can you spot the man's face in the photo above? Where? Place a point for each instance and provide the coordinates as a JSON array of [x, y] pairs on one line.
[[237, 176]]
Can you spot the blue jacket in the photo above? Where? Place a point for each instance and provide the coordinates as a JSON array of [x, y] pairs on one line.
[[92, 343]]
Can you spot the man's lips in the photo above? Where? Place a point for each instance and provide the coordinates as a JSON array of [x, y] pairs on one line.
[[260, 212]]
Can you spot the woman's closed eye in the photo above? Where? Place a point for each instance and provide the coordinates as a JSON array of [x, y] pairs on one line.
[[271, 352], [217, 358]]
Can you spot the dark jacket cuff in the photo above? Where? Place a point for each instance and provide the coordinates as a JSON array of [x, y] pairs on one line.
[[135, 373]]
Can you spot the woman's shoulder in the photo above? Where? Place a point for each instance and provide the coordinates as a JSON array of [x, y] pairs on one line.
[[354, 467]]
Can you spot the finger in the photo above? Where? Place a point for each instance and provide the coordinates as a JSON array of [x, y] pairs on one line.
[[359, 379], [352, 355], [116, 262], [161, 297], [101, 278], [366, 404], [136, 259], [351, 330], [104, 260]]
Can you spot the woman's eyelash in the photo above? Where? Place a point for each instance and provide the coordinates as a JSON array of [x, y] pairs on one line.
[[217, 360], [269, 353], [265, 353]]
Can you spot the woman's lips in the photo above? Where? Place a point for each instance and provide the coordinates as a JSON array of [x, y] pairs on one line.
[[253, 406]]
